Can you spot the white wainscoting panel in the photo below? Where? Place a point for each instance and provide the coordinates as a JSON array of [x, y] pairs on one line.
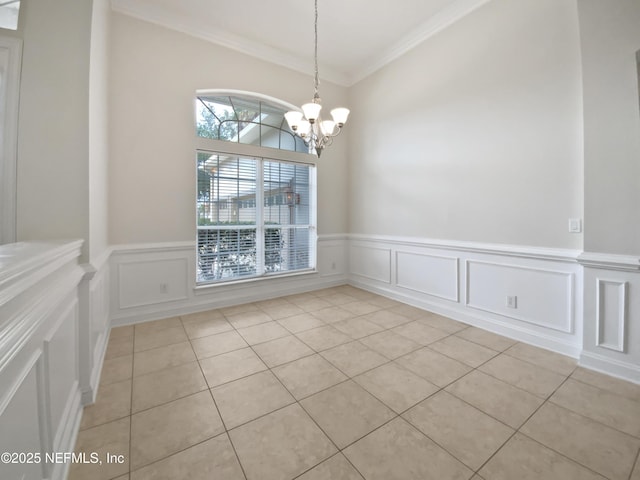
[[19, 422], [332, 256], [579, 304], [170, 281], [612, 315], [40, 354], [434, 275], [373, 263], [543, 297], [93, 333], [470, 282], [611, 311], [61, 361], [143, 273], [99, 295]]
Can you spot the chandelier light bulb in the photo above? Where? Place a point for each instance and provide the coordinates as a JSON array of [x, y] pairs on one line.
[[293, 119], [340, 115], [327, 127], [304, 128], [311, 111]]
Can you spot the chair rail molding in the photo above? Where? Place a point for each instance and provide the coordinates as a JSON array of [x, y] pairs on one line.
[[608, 261]]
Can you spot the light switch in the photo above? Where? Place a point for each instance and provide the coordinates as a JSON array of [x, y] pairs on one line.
[[575, 225]]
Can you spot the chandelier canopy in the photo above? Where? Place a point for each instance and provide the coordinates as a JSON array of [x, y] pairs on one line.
[[308, 124]]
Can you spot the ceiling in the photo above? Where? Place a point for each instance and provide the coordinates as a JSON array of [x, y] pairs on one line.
[[355, 37]]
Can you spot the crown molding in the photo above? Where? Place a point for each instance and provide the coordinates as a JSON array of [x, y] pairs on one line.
[[428, 29], [226, 39], [233, 42]]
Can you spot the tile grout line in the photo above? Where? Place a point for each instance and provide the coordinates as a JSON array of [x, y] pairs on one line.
[[133, 360], [351, 378], [635, 465], [579, 414], [518, 431], [601, 388], [348, 377], [473, 369], [198, 360], [339, 452], [515, 431], [298, 402], [562, 454], [215, 404], [165, 403], [175, 453], [270, 369]]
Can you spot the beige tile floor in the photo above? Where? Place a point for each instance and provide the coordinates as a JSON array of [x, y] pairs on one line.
[[342, 384]]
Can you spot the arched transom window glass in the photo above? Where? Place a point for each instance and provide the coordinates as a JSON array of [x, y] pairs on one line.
[[255, 191], [247, 120]]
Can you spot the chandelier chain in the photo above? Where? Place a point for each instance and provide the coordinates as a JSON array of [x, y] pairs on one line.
[[317, 77]]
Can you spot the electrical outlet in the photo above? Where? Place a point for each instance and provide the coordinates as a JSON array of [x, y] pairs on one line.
[[333, 265], [512, 301], [164, 288]]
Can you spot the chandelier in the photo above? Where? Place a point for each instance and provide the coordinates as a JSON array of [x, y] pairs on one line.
[[308, 125]]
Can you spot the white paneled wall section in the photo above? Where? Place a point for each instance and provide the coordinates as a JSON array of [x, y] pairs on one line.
[[612, 314], [532, 294], [158, 280], [54, 323], [559, 299]]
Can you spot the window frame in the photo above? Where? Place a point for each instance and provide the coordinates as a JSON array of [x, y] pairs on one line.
[[9, 105], [262, 154]]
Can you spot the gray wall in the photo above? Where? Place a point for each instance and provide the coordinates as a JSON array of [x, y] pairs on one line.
[[610, 38], [476, 134]]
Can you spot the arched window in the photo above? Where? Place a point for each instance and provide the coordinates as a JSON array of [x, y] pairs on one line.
[[255, 190], [245, 119]]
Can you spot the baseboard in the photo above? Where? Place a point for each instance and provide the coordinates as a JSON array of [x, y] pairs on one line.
[[609, 366], [166, 311], [477, 319]]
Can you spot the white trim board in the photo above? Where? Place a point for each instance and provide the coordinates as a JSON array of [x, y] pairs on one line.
[[608, 261]]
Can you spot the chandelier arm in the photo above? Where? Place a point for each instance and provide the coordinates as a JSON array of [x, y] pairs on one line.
[[337, 133]]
